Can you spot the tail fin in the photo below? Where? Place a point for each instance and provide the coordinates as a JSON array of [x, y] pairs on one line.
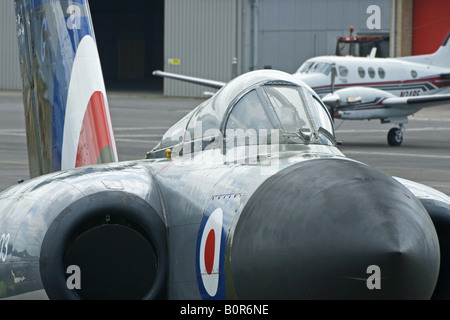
[[441, 58], [66, 111]]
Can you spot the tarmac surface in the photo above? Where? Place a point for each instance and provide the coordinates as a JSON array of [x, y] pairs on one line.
[[140, 119]]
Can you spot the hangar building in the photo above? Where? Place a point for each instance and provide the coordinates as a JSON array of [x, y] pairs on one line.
[[219, 39]]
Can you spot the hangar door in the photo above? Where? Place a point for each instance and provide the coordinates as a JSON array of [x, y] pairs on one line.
[[130, 39], [431, 24]]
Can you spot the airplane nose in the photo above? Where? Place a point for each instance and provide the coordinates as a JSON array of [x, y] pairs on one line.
[[333, 229]]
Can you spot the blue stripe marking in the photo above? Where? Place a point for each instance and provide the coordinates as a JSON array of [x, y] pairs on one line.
[[37, 3]]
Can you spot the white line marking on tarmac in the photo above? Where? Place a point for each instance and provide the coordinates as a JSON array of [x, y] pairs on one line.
[[411, 155], [139, 128], [149, 135], [148, 142], [384, 130]]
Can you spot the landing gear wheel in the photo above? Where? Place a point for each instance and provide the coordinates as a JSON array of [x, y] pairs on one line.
[[395, 137]]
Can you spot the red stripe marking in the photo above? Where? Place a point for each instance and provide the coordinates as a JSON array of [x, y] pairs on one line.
[[95, 133], [210, 247], [436, 80]]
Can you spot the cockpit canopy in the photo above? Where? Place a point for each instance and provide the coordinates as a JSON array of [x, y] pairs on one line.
[[254, 106]]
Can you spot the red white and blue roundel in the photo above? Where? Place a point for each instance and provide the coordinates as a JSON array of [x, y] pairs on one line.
[[210, 255]]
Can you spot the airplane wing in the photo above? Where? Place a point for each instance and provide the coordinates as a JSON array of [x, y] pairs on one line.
[[421, 101], [353, 96], [200, 81]]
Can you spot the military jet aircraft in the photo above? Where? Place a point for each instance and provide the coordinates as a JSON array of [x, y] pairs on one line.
[[365, 88], [246, 197]]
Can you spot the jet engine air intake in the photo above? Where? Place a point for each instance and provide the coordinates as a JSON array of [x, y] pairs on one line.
[[117, 241]]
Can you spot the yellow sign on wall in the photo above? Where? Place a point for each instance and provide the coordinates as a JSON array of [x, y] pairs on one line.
[[174, 62]]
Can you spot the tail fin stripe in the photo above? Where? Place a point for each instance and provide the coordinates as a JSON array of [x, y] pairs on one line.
[[85, 81], [95, 141]]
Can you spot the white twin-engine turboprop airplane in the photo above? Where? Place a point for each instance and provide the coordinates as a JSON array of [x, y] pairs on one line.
[[364, 88], [389, 89]]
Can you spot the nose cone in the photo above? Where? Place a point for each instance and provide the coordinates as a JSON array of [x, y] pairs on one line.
[[334, 229]]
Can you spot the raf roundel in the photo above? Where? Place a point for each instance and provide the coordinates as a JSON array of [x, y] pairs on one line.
[[210, 252]]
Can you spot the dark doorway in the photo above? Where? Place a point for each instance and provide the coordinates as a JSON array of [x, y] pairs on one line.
[[130, 39]]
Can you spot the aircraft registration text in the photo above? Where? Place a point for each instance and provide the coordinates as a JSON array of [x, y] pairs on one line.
[[410, 93]]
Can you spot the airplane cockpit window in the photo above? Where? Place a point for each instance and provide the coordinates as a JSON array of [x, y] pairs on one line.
[[304, 68], [175, 134], [323, 120], [297, 114], [311, 67], [204, 123], [302, 118], [275, 106], [289, 107], [249, 113], [322, 67]]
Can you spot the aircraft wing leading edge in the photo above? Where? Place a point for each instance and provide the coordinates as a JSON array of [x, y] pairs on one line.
[[195, 80], [419, 101]]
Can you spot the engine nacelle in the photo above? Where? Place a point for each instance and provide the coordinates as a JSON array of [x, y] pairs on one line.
[[107, 242]]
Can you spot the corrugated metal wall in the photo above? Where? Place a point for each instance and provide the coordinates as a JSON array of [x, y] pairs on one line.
[[291, 31], [204, 35], [10, 78], [201, 38]]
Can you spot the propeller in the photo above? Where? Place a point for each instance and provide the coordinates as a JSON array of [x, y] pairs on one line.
[[332, 79]]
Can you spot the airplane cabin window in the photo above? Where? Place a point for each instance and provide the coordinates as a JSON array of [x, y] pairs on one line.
[[361, 72], [343, 71], [414, 73], [371, 72], [381, 73]]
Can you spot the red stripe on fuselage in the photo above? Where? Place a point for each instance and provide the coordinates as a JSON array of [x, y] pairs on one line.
[[437, 81], [95, 134]]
